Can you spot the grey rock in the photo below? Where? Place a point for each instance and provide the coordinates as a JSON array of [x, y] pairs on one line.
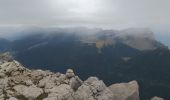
[[125, 91], [31, 92], [3, 87], [5, 57], [19, 89], [157, 98], [61, 92], [70, 73], [47, 82], [11, 68], [75, 83], [13, 98], [93, 89]]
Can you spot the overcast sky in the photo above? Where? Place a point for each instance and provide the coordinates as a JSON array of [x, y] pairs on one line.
[[116, 14], [106, 13]]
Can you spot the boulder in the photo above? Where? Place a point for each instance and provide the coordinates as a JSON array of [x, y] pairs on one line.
[[157, 98], [93, 89], [61, 92], [13, 98], [75, 83], [6, 57], [11, 68], [47, 82], [70, 73], [125, 91], [19, 89], [3, 87], [31, 92]]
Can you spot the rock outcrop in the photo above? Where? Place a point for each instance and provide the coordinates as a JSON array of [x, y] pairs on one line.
[[20, 83], [5, 57]]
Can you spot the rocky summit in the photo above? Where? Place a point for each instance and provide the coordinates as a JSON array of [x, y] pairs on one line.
[[20, 83]]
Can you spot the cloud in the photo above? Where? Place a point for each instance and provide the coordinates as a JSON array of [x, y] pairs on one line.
[[102, 13], [115, 14]]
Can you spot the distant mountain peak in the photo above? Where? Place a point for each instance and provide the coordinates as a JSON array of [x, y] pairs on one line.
[[138, 33], [139, 38]]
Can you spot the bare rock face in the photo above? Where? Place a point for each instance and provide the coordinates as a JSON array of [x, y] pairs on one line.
[[5, 57], [157, 98], [20, 83], [11, 69], [125, 91]]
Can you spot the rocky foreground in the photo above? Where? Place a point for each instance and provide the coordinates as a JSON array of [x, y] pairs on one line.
[[20, 83]]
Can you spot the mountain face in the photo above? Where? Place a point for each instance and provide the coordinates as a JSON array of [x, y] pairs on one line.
[[142, 39], [4, 44], [112, 55]]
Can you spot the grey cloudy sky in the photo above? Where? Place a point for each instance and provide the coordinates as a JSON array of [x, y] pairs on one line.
[[104, 13], [115, 14]]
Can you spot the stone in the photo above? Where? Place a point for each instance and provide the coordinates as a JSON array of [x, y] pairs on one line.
[[125, 91], [13, 98], [75, 83], [3, 85], [19, 89], [2, 75], [20, 79], [9, 92], [6, 57], [31, 92], [61, 92], [157, 98], [46, 82], [93, 89], [70, 73], [28, 83], [1, 62], [10, 68]]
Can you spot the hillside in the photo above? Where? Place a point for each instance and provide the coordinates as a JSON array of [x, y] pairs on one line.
[[4, 44], [112, 55]]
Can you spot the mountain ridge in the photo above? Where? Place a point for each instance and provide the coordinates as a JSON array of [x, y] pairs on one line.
[[98, 53], [20, 83]]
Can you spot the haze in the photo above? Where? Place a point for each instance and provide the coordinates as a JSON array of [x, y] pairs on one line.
[[112, 14]]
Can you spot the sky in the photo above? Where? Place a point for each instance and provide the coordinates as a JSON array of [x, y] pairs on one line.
[[113, 14]]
